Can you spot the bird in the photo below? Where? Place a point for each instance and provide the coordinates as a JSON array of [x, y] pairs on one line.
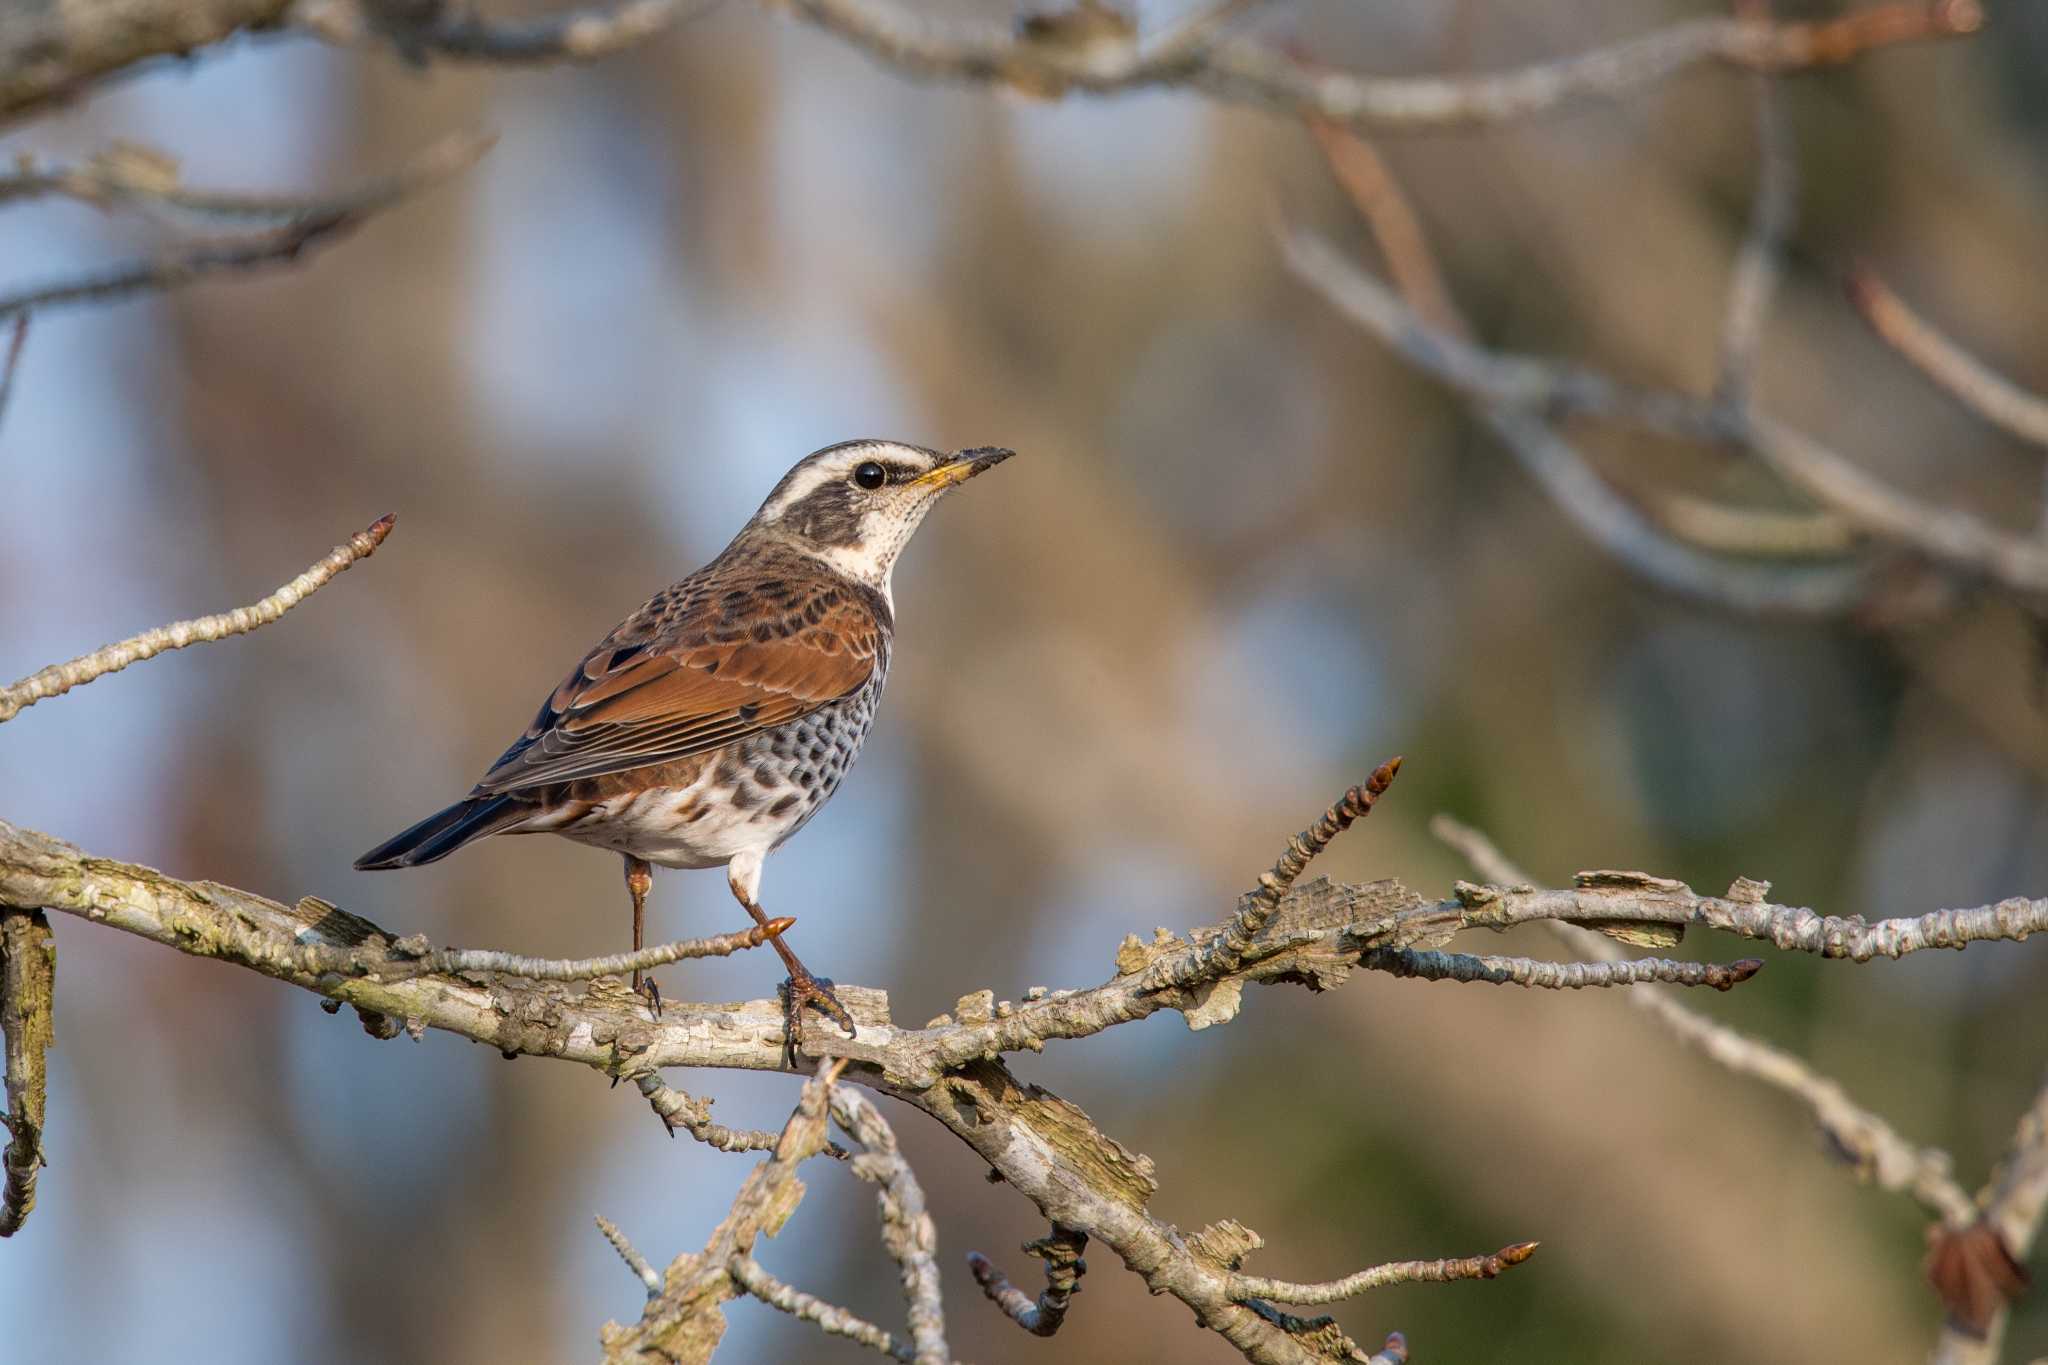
[[710, 725]]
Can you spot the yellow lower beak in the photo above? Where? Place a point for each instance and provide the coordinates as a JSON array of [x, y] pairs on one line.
[[962, 467]]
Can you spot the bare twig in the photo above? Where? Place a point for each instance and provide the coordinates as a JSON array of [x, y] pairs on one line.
[[1965, 378], [1248, 71], [1379, 1276], [1515, 388], [907, 1231], [829, 1318], [1393, 1352], [1061, 1251], [635, 1262], [1257, 906], [186, 262], [1396, 227], [617, 964], [58, 679], [1875, 1150], [683, 1112], [28, 978], [1556, 976], [1760, 262], [458, 32], [15, 343]]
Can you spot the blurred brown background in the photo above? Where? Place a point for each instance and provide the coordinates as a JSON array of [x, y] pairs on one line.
[[1245, 555]]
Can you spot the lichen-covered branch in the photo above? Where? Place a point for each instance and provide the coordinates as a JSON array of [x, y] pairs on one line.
[[28, 978], [58, 679], [682, 1323], [1044, 1148], [907, 1230]]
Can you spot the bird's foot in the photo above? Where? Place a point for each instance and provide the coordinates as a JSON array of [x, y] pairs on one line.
[[803, 989], [648, 989]]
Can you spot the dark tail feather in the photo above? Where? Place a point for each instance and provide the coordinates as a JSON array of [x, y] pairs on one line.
[[442, 833]]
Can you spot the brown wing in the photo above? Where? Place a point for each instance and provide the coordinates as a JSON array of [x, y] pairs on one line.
[[692, 673]]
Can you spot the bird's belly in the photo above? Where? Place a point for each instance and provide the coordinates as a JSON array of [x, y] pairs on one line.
[[757, 794]]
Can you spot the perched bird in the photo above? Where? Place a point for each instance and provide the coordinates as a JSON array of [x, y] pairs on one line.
[[709, 725]]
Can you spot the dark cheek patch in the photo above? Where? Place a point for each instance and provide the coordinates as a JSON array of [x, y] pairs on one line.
[[827, 516]]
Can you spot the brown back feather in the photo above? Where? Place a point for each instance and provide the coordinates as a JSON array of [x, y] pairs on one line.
[[748, 643]]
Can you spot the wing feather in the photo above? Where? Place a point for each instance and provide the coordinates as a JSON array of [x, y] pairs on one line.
[[690, 673]]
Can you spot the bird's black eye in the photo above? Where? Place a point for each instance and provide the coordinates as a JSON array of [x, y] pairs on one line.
[[870, 475]]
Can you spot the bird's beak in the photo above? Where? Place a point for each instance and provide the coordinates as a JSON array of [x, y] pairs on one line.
[[963, 466]]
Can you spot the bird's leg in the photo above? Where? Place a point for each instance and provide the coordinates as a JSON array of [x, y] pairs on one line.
[[639, 881], [743, 874], [801, 989]]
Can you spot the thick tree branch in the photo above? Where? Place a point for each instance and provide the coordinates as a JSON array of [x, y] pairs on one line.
[[1043, 1147], [28, 972]]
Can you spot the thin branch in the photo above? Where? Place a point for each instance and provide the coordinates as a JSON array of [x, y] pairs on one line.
[[827, 1317], [15, 344], [58, 679], [1961, 375], [681, 1322], [1256, 907], [456, 31], [1603, 514], [1393, 1352], [1251, 72], [1373, 190], [907, 1230], [182, 264], [635, 1262], [1761, 261], [1515, 388], [1875, 1151], [1558, 976], [1379, 1276], [1061, 1251], [681, 1112], [28, 980], [584, 968]]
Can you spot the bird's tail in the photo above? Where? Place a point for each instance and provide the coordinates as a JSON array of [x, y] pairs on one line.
[[441, 833]]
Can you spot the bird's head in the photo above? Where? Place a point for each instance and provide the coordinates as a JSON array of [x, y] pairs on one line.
[[855, 505]]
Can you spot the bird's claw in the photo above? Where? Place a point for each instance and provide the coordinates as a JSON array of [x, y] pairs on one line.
[[803, 989], [648, 989]]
